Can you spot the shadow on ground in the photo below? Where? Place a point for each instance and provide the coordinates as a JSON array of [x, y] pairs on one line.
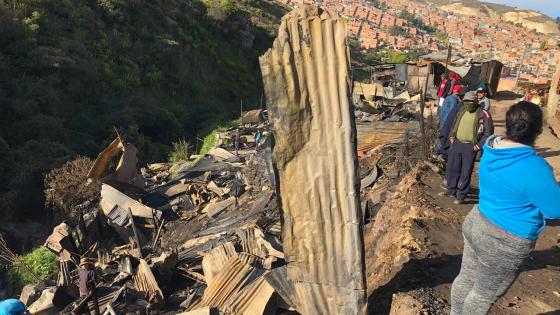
[[431, 272]]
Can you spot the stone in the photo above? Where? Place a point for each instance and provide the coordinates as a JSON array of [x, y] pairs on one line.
[[30, 293]]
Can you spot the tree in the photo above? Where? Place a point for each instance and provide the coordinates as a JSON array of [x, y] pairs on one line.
[[396, 56]]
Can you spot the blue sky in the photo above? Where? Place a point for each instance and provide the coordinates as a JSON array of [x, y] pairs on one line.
[[548, 7]]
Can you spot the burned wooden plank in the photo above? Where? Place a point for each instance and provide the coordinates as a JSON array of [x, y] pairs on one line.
[[215, 208], [307, 86], [104, 159]]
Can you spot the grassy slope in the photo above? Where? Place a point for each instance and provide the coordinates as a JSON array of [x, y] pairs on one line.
[[160, 71]]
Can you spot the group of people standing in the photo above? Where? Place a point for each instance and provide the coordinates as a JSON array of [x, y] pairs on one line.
[[518, 193], [465, 125]]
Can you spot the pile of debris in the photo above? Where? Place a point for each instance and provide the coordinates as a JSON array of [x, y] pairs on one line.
[[214, 226], [375, 101], [206, 236]]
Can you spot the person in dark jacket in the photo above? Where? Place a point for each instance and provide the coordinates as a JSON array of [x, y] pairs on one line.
[[448, 112], [517, 192], [87, 284], [471, 128]]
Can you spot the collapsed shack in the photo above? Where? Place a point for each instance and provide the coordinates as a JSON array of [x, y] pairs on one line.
[[473, 73], [395, 90]]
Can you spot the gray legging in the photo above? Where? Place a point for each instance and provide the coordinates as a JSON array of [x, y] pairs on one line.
[[492, 259]]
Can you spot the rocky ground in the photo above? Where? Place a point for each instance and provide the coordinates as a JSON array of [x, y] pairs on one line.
[[414, 246]]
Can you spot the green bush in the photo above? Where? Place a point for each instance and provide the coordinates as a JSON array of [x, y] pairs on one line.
[[41, 261], [181, 151], [210, 140]]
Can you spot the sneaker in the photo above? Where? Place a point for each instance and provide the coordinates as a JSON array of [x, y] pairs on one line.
[[446, 194], [459, 201]]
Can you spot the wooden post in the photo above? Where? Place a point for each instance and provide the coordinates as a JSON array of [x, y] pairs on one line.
[[553, 97], [136, 238], [422, 107], [448, 58]]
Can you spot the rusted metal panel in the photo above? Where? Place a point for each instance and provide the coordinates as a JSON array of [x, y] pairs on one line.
[[307, 87], [234, 276], [214, 260], [251, 300]]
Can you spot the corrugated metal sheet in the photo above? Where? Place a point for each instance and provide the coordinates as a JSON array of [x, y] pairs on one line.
[[278, 279], [234, 276], [214, 260], [307, 86], [110, 197], [256, 261], [252, 300], [144, 281], [118, 216]]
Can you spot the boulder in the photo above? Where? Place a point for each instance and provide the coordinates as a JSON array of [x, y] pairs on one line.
[[30, 293]]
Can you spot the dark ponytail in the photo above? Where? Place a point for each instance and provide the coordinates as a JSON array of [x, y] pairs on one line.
[[524, 122]]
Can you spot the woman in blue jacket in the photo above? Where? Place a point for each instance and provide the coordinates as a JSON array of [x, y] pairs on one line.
[[517, 192]]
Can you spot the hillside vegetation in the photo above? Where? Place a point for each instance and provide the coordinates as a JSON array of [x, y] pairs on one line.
[[159, 71]]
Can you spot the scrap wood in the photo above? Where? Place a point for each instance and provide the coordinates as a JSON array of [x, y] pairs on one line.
[[215, 259], [191, 274], [174, 189], [196, 251], [61, 239], [215, 208], [216, 189], [104, 159], [110, 197], [278, 279], [113, 298], [126, 170], [220, 154], [256, 261], [252, 240], [158, 233], [135, 232]]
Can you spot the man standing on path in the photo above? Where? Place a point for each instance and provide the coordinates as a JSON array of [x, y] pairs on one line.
[[448, 110], [471, 128], [483, 99]]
